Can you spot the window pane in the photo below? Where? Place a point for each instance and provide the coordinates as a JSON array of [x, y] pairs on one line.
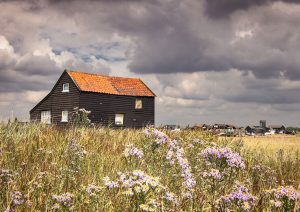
[[138, 104], [46, 117], [66, 87], [64, 116], [119, 119]]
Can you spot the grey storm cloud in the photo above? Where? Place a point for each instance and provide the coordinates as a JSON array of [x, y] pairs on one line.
[[205, 55], [223, 8], [37, 65], [290, 96]]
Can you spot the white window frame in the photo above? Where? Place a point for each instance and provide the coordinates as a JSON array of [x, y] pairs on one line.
[[46, 116], [141, 106], [66, 89], [119, 119], [64, 116]]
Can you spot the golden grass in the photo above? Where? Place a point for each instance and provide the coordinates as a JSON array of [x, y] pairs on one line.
[[32, 149], [290, 144]]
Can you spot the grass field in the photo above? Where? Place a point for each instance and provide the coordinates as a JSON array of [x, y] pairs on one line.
[[290, 144], [43, 168]]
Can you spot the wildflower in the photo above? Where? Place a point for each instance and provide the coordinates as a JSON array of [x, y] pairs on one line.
[[176, 152], [6, 176], [189, 181], [283, 197], [92, 190], [151, 205], [110, 184], [55, 206], [146, 132], [240, 198], [129, 192], [136, 182], [232, 159], [187, 195], [285, 192], [171, 197], [132, 151], [159, 137], [64, 199], [84, 111], [76, 149], [276, 204], [214, 173], [17, 198]]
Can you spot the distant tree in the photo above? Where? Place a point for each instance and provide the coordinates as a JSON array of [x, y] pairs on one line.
[[296, 129]]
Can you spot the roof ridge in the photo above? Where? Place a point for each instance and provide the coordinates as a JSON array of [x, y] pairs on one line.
[[91, 82], [102, 75]]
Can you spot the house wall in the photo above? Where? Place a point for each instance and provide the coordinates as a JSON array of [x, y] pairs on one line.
[[57, 101], [103, 108]]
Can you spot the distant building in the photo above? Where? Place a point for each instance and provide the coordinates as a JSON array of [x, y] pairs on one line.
[[200, 127], [263, 123], [255, 130], [277, 129]]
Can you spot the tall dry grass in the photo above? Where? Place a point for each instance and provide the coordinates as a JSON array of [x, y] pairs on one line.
[[44, 161]]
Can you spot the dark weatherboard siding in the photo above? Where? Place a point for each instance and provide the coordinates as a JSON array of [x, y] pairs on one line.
[[57, 101], [103, 108]]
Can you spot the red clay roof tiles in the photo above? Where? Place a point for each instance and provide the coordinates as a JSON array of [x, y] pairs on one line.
[[110, 85]]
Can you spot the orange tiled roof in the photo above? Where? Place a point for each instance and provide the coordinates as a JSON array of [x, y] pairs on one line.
[[110, 85]]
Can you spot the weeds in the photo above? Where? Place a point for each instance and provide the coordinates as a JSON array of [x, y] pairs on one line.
[[45, 168]]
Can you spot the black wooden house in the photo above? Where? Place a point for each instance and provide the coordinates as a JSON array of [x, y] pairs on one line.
[[112, 101]]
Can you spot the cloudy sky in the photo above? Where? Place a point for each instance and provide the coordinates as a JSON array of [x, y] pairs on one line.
[[208, 61]]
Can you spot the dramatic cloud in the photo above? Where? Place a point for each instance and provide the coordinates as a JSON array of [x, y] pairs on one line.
[[208, 60], [224, 8]]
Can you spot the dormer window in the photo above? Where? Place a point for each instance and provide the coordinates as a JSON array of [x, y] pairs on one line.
[[65, 87], [138, 104]]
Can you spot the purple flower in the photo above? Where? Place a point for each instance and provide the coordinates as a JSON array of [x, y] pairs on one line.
[[214, 173], [232, 159], [17, 198], [132, 151], [284, 193], [159, 137], [64, 199], [110, 184], [6, 176], [240, 198], [92, 190], [171, 197]]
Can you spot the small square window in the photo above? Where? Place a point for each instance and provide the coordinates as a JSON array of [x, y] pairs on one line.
[[138, 104], [66, 87], [64, 116], [119, 119]]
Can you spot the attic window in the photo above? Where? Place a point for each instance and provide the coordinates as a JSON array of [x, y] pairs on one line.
[[119, 119], [65, 87], [138, 104]]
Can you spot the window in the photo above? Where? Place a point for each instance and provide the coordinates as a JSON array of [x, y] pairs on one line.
[[46, 117], [64, 116], [119, 119], [138, 104], [65, 87]]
